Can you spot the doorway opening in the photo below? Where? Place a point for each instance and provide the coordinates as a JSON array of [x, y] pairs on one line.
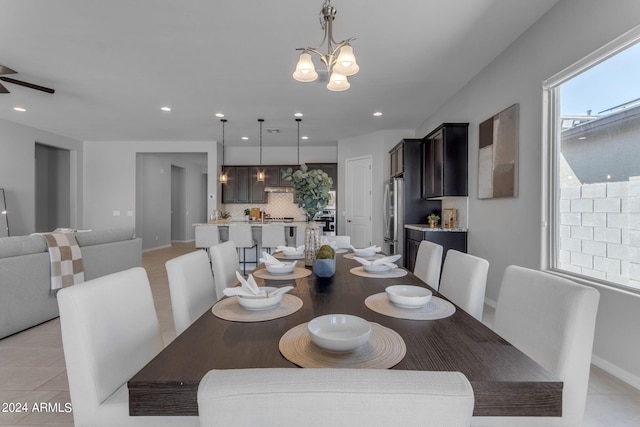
[[52, 188]]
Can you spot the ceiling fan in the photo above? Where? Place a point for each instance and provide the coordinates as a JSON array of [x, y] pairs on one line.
[[6, 70]]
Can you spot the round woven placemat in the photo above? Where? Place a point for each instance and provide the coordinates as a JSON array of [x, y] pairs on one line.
[[297, 273], [230, 309], [384, 350], [391, 274], [436, 309]]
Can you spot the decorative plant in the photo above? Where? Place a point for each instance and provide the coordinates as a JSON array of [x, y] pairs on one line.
[[325, 252], [247, 212], [225, 215], [433, 218], [311, 187]]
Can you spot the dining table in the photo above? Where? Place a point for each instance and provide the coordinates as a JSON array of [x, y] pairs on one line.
[[505, 381]]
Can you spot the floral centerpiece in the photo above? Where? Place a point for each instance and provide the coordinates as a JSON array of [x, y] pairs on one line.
[[311, 191]]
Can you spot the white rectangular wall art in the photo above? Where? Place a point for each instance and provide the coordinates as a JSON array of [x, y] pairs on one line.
[[498, 155]]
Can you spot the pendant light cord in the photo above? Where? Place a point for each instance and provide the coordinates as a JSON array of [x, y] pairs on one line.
[[223, 122], [298, 120], [261, 120]]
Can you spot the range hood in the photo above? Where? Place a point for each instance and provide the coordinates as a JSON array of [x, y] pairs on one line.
[[278, 189]]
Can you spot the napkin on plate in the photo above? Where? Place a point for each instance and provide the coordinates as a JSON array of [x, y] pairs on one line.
[[268, 259], [388, 260], [332, 244], [370, 248], [249, 288], [281, 248]]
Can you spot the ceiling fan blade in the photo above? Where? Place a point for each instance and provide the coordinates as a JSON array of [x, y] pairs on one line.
[[25, 84], [3, 89], [6, 70]]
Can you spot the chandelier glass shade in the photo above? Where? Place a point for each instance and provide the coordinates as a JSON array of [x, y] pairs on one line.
[[222, 177], [339, 58], [260, 176]]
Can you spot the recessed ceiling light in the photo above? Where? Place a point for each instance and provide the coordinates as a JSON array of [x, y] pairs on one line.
[[22, 110], [165, 109], [298, 114], [377, 114], [219, 115], [304, 137], [245, 138]]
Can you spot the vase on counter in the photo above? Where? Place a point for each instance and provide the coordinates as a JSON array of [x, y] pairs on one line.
[[312, 234]]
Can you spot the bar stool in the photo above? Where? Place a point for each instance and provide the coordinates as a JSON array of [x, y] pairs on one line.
[[207, 236], [273, 236], [240, 235]]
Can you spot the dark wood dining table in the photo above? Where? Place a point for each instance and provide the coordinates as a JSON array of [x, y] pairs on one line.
[[505, 381]]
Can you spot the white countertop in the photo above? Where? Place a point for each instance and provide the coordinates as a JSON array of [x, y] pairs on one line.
[[425, 227], [251, 223]]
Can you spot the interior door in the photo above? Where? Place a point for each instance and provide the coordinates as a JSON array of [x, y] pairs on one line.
[[358, 198]]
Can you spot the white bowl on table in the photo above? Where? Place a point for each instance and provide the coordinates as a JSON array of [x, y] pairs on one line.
[[376, 268], [408, 296], [339, 333], [291, 253], [258, 302], [365, 253], [284, 268]]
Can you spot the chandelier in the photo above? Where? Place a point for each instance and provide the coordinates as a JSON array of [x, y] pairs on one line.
[[223, 178], [339, 67]]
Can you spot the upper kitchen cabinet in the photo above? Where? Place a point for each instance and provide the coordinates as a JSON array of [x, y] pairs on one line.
[[330, 168], [242, 186], [396, 160], [444, 161], [274, 176]]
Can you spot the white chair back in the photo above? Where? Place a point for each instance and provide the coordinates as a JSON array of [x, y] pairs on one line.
[[224, 263], [464, 280], [429, 263], [207, 236], [109, 332], [240, 235], [343, 242], [334, 397], [300, 234], [552, 320], [191, 287], [273, 235]]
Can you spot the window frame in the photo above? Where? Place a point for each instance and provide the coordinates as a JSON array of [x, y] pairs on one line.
[[550, 153]]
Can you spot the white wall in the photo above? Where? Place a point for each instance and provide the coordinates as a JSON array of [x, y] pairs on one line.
[[110, 178], [17, 174], [570, 31], [376, 145], [240, 156]]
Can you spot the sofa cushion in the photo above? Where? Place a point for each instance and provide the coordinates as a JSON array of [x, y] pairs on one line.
[[93, 237], [22, 245]]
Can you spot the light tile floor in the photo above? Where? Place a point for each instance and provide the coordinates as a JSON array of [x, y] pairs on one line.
[[32, 370]]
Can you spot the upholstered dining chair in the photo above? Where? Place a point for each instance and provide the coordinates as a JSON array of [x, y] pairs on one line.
[[273, 236], [191, 288], [552, 320], [334, 397], [429, 263], [240, 235], [110, 331], [207, 236], [464, 280], [343, 242], [224, 264]]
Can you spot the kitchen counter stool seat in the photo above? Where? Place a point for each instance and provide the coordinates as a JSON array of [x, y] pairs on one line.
[[240, 235]]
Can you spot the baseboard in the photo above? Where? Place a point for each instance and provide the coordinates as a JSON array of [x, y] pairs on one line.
[[616, 371], [491, 303], [156, 248]]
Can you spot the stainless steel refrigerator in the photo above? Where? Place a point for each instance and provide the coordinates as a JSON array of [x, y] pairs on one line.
[[393, 216]]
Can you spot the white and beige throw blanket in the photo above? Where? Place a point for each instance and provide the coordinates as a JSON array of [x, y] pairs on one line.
[[66, 260]]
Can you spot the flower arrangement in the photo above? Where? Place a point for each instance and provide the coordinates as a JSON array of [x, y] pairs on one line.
[[433, 219], [311, 188]]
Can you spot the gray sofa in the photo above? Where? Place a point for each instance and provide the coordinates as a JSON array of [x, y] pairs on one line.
[[26, 299]]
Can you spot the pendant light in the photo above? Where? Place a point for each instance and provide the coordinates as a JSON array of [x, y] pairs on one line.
[[222, 178], [298, 120], [260, 175]]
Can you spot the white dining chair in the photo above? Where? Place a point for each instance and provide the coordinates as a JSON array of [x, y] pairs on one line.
[[552, 320], [334, 397], [464, 280], [300, 234], [110, 331], [240, 235], [342, 242], [224, 264], [429, 263], [207, 236], [191, 288], [272, 236]]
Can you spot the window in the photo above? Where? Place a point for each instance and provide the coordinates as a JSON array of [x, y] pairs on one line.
[[592, 130]]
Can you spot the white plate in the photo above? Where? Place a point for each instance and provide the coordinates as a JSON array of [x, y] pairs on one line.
[[376, 268], [339, 333], [287, 269]]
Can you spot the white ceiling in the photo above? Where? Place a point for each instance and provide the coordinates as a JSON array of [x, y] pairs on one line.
[[114, 63]]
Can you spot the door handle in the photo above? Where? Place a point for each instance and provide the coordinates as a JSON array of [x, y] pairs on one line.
[[348, 220]]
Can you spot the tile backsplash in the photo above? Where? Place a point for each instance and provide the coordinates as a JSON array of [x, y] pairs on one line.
[[461, 205], [279, 205]]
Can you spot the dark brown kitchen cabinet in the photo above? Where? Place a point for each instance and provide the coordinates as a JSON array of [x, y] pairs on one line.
[[447, 239], [444, 161], [396, 160], [242, 186]]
